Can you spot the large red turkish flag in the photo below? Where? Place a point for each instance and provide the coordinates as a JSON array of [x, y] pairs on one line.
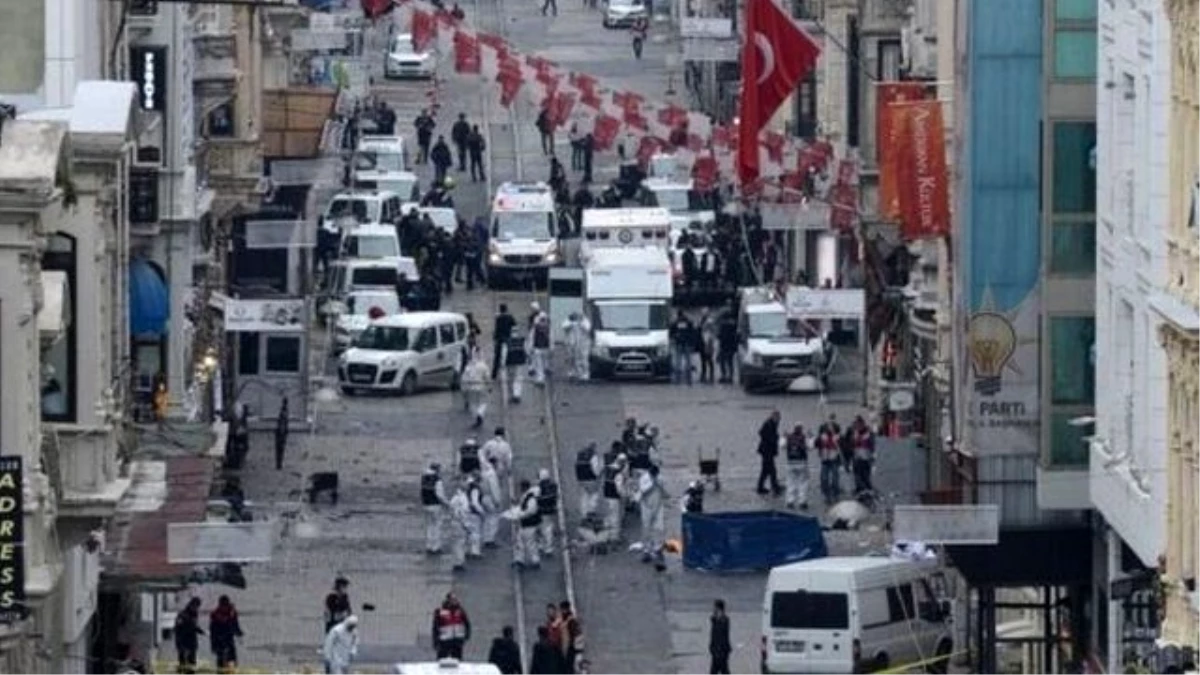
[[776, 55]]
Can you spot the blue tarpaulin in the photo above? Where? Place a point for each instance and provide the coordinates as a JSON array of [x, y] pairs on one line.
[[749, 540], [149, 301]]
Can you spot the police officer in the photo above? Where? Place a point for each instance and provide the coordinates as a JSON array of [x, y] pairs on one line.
[[460, 517], [588, 468], [614, 495], [548, 508], [529, 519], [477, 511], [795, 452], [433, 500], [693, 498]]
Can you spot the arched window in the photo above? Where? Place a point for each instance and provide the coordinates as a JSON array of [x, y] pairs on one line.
[[59, 399]]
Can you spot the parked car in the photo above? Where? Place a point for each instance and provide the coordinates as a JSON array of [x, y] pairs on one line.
[[404, 61], [622, 13]]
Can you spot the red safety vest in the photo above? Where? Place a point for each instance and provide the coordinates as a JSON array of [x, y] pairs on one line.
[[889, 354], [451, 624]]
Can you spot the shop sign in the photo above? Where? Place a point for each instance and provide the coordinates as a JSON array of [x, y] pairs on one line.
[[264, 316], [148, 66], [12, 542]]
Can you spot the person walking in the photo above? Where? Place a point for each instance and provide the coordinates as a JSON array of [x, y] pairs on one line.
[[460, 527], [529, 519], [589, 151], [796, 457], [540, 340], [434, 502], [337, 603], [223, 631], [545, 659], [546, 130], [341, 646], [613, 491], [638, 32], [502, 332], [442, 160], [548, 509], [477, 513], [682, 334], [475, 387], [498, 452], [719, 647], [863, 443], [831, 462], [460, 135], [551, 6], [578, 331], [707, 347], [571, 641], [451, 629], [187, 635], [650, 498], [475, 147], [768, 448], [491, 499], [424, 124], [576, 139], [588, 469], [505, 653], [281, 434], [727, 345]]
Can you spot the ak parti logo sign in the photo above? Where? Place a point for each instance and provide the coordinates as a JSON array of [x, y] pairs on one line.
[[12, 542]]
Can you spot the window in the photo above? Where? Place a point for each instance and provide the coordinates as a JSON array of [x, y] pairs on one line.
[[23, 29], [900, 603], [805, 114], [1074, 170], [248, 353], [58, 397], [460, 330], [1068, 447], [1075, 10], [426, 340], [804, 610], [1075, 53], [1072, 376], [1073, 248], [889, 56], [447, 332], [220, 121], [283, 354]]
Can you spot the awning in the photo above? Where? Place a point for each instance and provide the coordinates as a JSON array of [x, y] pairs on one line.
[[55, 314], [174, 490], [1036, 556], [149, 301]]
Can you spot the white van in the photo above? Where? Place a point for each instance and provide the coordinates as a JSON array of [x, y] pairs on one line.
[[378, 243], [358, 274], [406, 353], [347, 210], [406, 184], [824, 615], [524, 239], [627, 294], [446, 667], [390, 152], [443, 217], [775, 353], [624, 228], [354, 313]]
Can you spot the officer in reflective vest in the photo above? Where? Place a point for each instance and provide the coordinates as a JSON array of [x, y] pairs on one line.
[[795, 453], [829, 453], [548, 509], [614, 493], [529, 519], [476, 512], [451, 629], [433, 500], [588, 469]]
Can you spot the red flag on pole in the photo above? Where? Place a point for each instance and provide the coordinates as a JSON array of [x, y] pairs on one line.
[[467, 57], [672, 117], [605, 131], [704, 172], [776, 55], [373, 9], [887, 131], [646, 149], [561, 105], [634, 120], [423, 29]]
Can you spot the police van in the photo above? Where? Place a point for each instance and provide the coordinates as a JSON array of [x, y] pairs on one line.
[[776, 352], [856, 614], [524, 241], [627, 294], [680, 199], [624, 228]]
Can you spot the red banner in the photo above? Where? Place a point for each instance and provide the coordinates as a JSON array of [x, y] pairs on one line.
[[774, 142], [605, 132], [843, 207], [924, 179], [467, 55], [704, 173], [672, 117], [561, 106], [423, 29], [890, 97], [634, 120], [586, 86], [494, 41], [510, 81], [646, 149]]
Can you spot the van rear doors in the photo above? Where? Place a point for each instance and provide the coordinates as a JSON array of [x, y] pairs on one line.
[[810, 632]]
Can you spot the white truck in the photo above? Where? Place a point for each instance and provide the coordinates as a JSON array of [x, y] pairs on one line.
[[777, 353], [624, 228], [524, 241], [627, 294]]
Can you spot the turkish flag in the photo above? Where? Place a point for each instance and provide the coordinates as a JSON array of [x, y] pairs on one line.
[[923, 176], [586, 86], [424, 29], [494, 41], [843, 207], [776, 55], [673, 117], [634, 120], [605, 131], [890, 97], [510, 81], [373, 9], [467, 57], [704, 172], [561, 105], [646, 149]]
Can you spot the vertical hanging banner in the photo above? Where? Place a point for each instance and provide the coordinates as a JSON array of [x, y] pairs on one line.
[[890, 97], [424, 29], [924, 189], [467, 57], [12, 541], [843, 197], [605, 131]]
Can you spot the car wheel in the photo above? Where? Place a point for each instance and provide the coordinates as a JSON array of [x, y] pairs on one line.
[[349, 391], [942, 664], [880, 663], [408, 385]]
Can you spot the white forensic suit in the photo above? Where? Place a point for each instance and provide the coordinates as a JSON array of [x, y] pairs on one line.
[[589, 489], [433, 500], [460, 516], [613, 491], [475, 379], [578, 331], [341, 646], [493, 497], [477, 512], [498, 452], [650, 497], [529, 518], [548, 507], [795, 456], [539, 347]]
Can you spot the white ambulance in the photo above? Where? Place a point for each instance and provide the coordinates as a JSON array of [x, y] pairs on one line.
[[624, 228], [524, 242]]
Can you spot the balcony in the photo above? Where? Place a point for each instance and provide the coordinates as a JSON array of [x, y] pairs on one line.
[[82, 466], [234, 165]]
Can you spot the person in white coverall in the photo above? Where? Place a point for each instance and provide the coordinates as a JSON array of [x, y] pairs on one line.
[[498, 452], [650, 498], [475, 519], [529, 518], [476, 378], [493, 497], [460, 517], [589, 464], [433, 500], [578, 331], [539, 347], [341, 646]]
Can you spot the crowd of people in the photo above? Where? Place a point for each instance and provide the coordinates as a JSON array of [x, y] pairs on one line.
[[851, 450]]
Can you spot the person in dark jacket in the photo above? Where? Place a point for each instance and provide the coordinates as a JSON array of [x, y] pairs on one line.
[[589, 150], [187, 635], [546, 130], [768, 448], [223, 631], [460, 134], [727, 345], [424, 125], [502, 332], [505, 653], [442, 160], [281, 434], [475, 147], [546, 659], [719, 647]]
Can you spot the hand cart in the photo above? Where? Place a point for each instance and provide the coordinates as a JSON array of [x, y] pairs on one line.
[[710, 467]]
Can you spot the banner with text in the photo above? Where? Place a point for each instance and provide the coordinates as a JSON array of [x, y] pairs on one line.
[[12, 542]]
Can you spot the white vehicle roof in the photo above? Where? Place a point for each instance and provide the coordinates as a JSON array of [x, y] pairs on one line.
[[384, 174], [630, 217], [628, 273], [402, 40], [380, 143], [365, 195], [442, 216], [446, 667], [373, 230], [524, 197], [656, 183], [364, 263], [629, 258], [418, 319], [757, 298]]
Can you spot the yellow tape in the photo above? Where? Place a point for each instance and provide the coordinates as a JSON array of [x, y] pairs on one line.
[[921, 664]]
